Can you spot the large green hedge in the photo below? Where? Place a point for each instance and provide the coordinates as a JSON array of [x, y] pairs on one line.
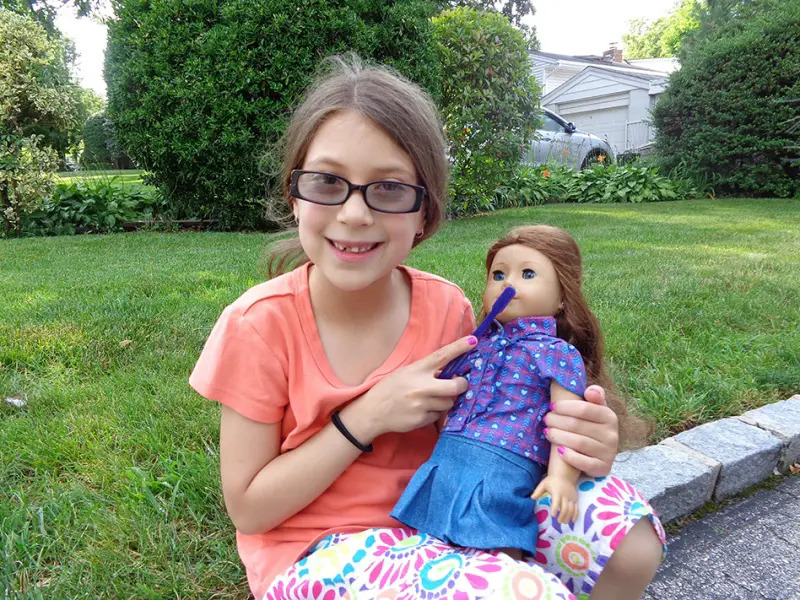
[[724, 115], [199, 89]]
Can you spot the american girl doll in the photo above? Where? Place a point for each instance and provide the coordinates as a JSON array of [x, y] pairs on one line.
[[492, 459], [327, 372]]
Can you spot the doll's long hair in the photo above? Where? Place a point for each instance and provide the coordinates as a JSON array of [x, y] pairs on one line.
[[575, 322]]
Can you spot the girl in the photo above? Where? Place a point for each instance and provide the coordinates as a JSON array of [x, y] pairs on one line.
[[478, 487], [326, 375]]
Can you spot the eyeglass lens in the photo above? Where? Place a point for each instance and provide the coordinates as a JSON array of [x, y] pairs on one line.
[[387, 196]]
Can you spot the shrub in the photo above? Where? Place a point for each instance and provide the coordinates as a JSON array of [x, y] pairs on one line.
[[489, 104], [198, 90], [93, 206], [37, 97], [631, 182], [722, 114]]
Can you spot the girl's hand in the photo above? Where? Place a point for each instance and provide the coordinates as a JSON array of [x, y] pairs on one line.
[[588, 431], [563, 497], [409, 398]]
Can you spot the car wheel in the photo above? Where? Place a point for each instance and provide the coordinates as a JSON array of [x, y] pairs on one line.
[[596, 158]]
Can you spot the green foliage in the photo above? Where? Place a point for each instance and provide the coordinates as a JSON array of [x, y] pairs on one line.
[[44, 11], [36, 95], [629, 183], [723, 115], [100, 146], [513, 10], [199, 90], [664, 36], [94, 206], [26, 177], [490, 102]]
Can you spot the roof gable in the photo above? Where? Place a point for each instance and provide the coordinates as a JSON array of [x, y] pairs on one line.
[[594, 73]]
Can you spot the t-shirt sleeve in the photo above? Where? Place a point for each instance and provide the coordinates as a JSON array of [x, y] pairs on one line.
[[238, 369], [561, 362]]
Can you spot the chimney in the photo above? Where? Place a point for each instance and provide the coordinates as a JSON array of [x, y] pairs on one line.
[[613, 54]]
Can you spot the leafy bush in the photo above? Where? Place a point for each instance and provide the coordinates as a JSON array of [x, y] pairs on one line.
[[95, 138], [722, 114], [94, 206], [37, 96], [198, 90], [490, 103], [26, 177], [631, 182]]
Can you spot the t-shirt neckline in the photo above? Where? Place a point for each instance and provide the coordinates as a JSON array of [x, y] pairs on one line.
[[396, 358]]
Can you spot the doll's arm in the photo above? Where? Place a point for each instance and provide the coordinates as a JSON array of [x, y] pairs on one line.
[[562, 479]]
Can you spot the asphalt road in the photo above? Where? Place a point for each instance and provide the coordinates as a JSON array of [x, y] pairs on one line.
[[750, 550]]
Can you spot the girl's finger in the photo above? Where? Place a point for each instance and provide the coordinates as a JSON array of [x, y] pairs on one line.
[[445, 354], [593, 467], [580, 443], [604, 433], [585, 411]]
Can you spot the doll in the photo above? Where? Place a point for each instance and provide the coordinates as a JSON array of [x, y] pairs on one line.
[[492, 459]]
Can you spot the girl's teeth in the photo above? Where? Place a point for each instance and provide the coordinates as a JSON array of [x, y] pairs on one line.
[[350, 249]]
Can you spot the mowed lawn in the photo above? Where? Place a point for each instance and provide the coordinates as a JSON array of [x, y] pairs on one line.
[[109, 482]]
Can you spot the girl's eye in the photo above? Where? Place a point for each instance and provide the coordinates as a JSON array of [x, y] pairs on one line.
[[498, 275], [528, 273]]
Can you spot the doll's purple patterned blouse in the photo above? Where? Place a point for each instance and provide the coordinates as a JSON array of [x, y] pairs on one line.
[[509, 374]]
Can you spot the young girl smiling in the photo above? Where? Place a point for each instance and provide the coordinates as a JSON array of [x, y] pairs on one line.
[[326, 376]]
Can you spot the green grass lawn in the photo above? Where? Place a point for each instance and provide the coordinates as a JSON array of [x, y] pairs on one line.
[[127, 176], [109, 481]]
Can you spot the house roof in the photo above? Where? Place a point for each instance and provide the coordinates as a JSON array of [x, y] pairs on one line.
[[648, 81], [596, 61]]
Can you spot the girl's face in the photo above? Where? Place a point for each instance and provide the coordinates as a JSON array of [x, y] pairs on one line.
[[534, 278], [351, 245]]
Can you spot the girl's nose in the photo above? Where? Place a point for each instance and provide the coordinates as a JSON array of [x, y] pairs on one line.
[[355, 210]]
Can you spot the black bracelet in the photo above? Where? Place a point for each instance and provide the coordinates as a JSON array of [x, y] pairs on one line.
[[337, 422]]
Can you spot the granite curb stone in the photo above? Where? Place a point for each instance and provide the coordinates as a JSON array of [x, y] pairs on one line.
[[748, 454], [678, 485], [781, 419], [714, 461]]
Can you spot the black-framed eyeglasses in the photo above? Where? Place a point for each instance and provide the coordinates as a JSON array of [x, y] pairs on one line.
[[331, 190]]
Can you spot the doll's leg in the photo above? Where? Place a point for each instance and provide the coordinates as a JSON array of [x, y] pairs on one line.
[[578, 553]]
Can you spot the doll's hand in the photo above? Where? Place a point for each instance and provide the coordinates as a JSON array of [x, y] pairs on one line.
[[563, 496]]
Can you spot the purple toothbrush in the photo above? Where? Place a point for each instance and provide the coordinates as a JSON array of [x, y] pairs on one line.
[[499, 306]]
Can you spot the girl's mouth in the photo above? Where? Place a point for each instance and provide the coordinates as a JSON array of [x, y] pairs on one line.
[[352, 252]]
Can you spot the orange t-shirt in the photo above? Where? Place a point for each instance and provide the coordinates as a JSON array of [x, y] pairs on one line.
[[265, 360]]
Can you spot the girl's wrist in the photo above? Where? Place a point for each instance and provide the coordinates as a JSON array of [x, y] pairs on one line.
[[360, 424]]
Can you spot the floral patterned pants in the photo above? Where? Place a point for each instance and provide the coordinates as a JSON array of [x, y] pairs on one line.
[[402, 564]]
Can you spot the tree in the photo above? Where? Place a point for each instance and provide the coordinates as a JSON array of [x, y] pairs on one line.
[[36, 92], [726, 114], [664, 36], [199, 91], [44, 11], [490, 102], [513, 10]]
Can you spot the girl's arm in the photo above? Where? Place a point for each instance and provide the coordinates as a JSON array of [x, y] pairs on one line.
[[262, 487], [588, 431]]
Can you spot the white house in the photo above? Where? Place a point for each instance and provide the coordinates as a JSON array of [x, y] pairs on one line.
[[605, 96]]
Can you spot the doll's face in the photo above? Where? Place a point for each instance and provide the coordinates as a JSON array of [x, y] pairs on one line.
[[534, 278]]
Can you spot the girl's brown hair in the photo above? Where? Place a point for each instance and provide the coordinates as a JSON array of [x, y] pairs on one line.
[[401, 108], [575, 322]]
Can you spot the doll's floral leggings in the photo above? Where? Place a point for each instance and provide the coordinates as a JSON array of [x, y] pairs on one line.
[[402, 564]]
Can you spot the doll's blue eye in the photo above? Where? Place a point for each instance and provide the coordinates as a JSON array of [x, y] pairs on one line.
[[498, 275], [528, 273]]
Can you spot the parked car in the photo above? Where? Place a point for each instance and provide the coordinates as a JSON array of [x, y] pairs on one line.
[[559, 141]]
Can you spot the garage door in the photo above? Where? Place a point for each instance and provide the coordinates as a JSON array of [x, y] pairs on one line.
[[608, 123]]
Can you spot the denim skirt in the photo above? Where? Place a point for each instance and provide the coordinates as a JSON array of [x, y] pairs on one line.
[[473, 494]]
